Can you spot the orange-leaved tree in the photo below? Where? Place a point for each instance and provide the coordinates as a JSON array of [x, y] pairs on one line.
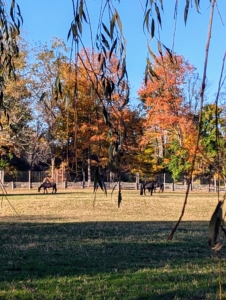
[[95, 116], [169, 123]]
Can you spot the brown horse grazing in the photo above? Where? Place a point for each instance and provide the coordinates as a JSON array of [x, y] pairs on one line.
[[46, 186]]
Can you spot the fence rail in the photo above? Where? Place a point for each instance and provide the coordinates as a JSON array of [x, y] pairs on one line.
[[123, 185], [32, 180]]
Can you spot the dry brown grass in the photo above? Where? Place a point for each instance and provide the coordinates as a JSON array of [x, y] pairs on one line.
[[78, 206]]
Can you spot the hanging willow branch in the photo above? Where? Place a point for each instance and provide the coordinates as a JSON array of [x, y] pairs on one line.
[[200, 118], [110, 43], [9, 34], [220, 84]]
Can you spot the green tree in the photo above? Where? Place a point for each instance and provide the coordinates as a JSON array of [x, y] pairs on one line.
[[213, 140], [45, 70]]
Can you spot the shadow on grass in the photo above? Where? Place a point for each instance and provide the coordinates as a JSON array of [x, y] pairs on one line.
[[133, 259], [37, 250]]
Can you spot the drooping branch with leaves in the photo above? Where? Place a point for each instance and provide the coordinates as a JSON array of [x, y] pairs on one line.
[[10, 23], [109, 42], [153, 11]]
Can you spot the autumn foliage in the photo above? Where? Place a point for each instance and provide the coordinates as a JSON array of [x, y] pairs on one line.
[[169, 124], [83, 120]]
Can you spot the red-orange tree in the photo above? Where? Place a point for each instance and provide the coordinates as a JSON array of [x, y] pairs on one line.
[[169, 125]]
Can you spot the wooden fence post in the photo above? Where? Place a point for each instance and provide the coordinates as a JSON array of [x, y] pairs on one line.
[[62, 170], [164, 180], [89, 173], [2, 174], [29, 179], [137, 180], [83, 179]]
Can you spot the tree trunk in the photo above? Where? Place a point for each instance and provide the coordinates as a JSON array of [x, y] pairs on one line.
[[52, 166]]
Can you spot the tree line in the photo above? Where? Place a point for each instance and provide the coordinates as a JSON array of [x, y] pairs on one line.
[[57, 109], [50, 126]]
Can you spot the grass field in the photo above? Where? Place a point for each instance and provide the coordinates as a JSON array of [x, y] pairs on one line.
[[64, 247]]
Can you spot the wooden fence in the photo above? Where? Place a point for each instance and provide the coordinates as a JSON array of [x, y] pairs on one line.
[[62, 183], [124, 186]]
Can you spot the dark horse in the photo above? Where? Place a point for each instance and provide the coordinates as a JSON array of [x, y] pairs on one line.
[[150, 186], [161, 187], [47, 185]]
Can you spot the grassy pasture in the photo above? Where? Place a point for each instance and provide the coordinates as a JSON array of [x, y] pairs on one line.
[[60, 246]]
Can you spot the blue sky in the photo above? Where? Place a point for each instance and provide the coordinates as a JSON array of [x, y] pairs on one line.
[[44, 19]]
